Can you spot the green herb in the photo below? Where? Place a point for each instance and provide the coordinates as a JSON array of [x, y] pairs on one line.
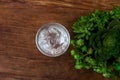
[[97, 42]]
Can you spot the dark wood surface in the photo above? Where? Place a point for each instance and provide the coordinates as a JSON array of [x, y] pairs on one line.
[[19, 22]]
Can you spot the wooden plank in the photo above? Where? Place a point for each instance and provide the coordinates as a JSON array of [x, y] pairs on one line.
[[19, 22]]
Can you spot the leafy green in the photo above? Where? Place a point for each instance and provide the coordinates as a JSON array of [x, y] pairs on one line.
[[106, 44], [96, 42]]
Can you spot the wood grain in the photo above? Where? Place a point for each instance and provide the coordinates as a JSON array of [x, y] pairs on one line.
[[19, 22]]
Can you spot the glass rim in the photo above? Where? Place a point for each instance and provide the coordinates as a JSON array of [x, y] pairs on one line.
[[41, 50]]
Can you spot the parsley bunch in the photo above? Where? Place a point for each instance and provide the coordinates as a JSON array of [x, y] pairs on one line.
[[97, 42]]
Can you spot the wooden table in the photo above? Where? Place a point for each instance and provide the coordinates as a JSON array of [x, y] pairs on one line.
[[19, 22]]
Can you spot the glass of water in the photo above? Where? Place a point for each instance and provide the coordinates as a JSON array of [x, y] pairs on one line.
[[52, 39]]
